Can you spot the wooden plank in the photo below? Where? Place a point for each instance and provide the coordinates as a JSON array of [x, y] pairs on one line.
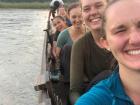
[[43, 77], [44, 54], [44, 98], [42, 81]]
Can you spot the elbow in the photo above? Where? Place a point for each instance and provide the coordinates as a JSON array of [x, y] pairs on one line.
[[73, 97]]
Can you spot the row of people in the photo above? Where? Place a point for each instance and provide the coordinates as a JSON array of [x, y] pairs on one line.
[[66, 38], [88, 56], [68, 35], [121, 36]]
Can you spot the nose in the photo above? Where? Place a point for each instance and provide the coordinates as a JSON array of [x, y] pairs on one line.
[[93, 11], [134, 36], [78, 19]]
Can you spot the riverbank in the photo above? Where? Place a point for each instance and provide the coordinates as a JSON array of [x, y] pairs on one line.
[[25, 5]]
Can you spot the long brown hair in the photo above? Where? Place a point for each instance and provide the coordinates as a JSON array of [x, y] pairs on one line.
[[72, 6]]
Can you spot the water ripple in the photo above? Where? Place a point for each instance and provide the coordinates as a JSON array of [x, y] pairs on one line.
[[21, 40]]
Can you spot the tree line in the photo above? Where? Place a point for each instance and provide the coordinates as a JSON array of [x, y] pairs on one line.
[[34, 0]]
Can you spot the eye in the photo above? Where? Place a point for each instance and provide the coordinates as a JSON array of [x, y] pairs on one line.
[[120, 29], [86, 9], [99, 5], [58, 22], [138, 24], [54, 25], [74, 17]]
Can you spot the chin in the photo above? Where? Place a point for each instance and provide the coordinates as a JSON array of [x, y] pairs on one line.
[[136, 67], [133, 66], [78, 27], [95, 27]]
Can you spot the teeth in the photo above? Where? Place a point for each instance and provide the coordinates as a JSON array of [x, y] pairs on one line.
[[79, 24], [95, 20], [134, 52]]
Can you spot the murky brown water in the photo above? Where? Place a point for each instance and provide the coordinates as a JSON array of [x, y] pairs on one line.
[[21, 41]]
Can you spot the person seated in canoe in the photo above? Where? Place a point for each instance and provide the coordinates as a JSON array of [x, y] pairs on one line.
[[88, 57], [59, 24], [68, 36], [122, 38], [61, 11]]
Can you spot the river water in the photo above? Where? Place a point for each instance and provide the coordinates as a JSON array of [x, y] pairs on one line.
[[21, 42]]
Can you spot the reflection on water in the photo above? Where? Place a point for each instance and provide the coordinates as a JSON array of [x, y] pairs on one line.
[[21, 40]]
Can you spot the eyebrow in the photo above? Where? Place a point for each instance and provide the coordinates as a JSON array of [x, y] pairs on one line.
[[99, 2], [89, 5], [113, 29], [138, 23]]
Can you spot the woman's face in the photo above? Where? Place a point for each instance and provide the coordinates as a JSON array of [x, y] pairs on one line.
[[75, 16], [123, 33], [92, 11], [59, 24]]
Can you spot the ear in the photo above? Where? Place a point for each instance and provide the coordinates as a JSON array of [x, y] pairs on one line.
[[103, 42]]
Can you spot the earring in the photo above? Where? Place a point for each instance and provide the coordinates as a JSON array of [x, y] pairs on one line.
[[108, 49]]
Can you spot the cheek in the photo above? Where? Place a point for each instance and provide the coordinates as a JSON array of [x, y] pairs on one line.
[[116, 45], [63, 25], [72, 21], [85, 17]]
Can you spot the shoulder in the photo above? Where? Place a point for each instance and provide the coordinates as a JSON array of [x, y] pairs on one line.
[[83, 40], [87, 36], [103, 93], [65, 31], [63, 38], [63, 34], [98, 95]]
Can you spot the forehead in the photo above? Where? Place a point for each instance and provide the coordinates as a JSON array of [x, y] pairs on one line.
[[129, 11], [57, 19], [61, 9], [75, 10], [91, 2]]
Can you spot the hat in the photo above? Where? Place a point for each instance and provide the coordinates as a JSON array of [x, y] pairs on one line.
[[52, 4]]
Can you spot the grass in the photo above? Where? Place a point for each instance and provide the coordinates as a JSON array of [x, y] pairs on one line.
[[23, 5]]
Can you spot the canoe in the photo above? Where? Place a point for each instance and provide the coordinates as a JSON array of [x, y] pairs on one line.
[[50, 91]]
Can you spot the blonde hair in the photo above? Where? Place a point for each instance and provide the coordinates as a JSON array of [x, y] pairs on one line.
[[110, 3]]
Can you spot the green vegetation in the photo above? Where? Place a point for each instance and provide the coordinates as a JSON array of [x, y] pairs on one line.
[[29, 4], [34, 0], [25, 5]]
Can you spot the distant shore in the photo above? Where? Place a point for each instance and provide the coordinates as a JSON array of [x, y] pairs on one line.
[[26, 5]]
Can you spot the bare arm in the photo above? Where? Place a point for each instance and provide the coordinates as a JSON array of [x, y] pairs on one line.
[[58, 52]]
